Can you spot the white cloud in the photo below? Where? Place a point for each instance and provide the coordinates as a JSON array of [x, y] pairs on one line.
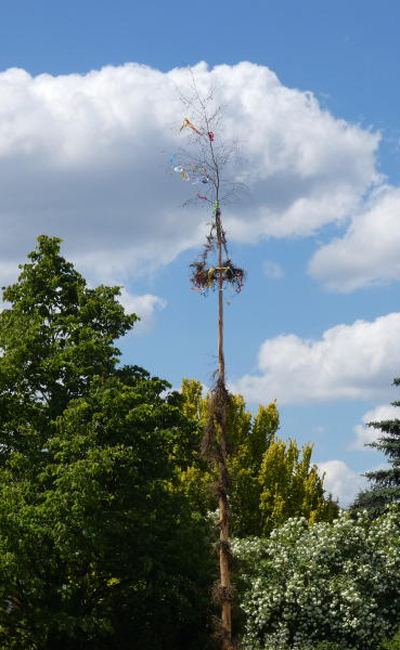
[[143, 306], [84, 157], [368, 253], [8, 273], [273, 270], [355, 361], [341, 481], [365, 434]]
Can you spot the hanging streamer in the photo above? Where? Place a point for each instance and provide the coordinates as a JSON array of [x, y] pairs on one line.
[[194, 180], [187, 122], [196, 168], [180, 170], [198, 174]]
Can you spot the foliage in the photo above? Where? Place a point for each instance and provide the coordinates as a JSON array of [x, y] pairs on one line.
[[328, 585], [270, 479], [385, 482], [392, 644], [98, 547], [55, 337]]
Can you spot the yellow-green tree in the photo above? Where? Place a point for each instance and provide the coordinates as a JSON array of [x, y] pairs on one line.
[[271, 480]]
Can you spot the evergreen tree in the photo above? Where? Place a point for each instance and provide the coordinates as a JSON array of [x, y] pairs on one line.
[[385, 482]]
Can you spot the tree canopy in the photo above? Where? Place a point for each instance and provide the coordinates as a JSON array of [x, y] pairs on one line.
[[384, 482], [55, 337], [271, 480], [323, 587], [99, 547]]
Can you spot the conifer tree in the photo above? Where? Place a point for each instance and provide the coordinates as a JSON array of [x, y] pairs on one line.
[[385, 482]]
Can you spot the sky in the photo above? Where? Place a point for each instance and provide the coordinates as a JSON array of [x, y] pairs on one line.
[[90, 114]]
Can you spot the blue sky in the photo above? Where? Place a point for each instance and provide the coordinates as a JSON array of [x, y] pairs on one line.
[[85, 156]]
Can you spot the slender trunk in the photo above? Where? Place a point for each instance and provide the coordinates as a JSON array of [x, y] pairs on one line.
[[224, 553], [221, 358]]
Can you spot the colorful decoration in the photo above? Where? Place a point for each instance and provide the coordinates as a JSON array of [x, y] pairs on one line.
[[196, 168], [180, 170], [187, 122], [204, 279], [194, 179], [198, 174]]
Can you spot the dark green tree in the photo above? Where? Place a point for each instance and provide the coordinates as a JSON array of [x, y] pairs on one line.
[[99, 547], [385, 482], [54, 338]]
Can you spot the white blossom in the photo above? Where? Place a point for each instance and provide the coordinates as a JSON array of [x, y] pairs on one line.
[[326, 587]]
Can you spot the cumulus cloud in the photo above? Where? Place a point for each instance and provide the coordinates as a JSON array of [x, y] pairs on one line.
[[341, 481], [8, 273], [368, 253], [84, 157], [356, 361], [143, 306], [364, 434]]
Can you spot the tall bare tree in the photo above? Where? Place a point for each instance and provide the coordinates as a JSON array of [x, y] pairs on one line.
[[205, 163]]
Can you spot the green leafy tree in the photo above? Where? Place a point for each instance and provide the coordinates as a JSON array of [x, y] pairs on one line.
[[270, 480], [385, 483], [57, 335], [99, 547], [322, 587]]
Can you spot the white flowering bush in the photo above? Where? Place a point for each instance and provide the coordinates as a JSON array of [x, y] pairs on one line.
[[327, 586]]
